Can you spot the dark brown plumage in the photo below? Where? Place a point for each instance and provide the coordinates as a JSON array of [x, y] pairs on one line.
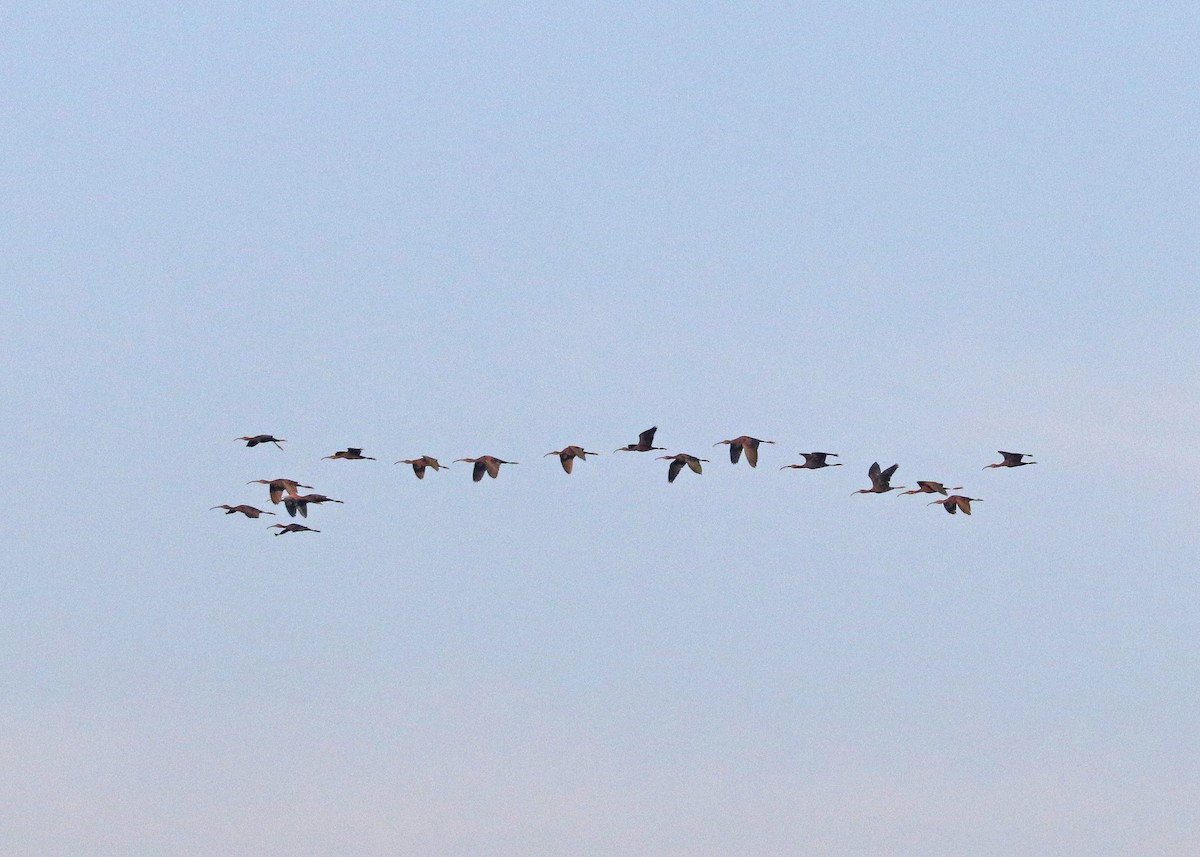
[[278, 486], [925, 487], [248, 511], [880, 480], [262, 438], [744, 443], [300, 503], [350, 453], [488, 464], [644, 442], [568, 454], [814, 461], [955, 502], [419, 464], [293, 528], [1012, 459], [678, 460]]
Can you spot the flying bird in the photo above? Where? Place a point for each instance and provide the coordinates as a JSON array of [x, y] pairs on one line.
[[814, 461], [293, 528], [644, 442], [262, 438], [924, 487], [350, 453], [955, 502], [747, 443], [678, 460], [300, 503], [248, 511], [419, 464], [880, 480], [278, 486], [1012, 459], [488, 464], [567, 456]]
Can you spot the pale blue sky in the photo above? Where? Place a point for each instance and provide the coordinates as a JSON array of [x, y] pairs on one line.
[[907, 232]]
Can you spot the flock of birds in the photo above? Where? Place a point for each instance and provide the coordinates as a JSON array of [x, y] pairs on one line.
[[287, 491]]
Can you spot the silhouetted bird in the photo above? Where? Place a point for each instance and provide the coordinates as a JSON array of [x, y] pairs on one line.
[[278, 486], [567, 456], [1012, 459], [248, 511], [300, 503], [293, 528], [485, 464], [678, 460], [645, 439], [814, 461], [419, 464], [262, 438], [955, 502], [747, 443], [924, 487], [350, 453], [880, 480]]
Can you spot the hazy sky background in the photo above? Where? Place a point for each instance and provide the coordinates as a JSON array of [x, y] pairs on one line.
[[906, 232]]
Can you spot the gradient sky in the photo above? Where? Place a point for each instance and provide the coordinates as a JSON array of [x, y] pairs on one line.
[[906, 232]]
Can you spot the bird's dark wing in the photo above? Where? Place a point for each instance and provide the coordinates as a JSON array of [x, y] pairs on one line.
[[674, 469], [647, 437]]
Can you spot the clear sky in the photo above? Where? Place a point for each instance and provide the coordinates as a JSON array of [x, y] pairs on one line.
[[907, 232]]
